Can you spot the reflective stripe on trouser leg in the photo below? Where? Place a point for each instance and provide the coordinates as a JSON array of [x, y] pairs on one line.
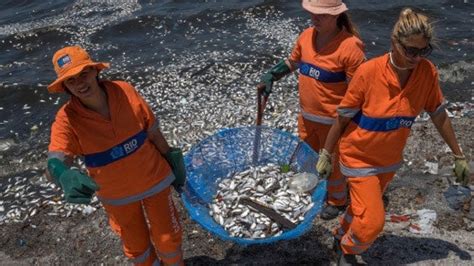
[[353, 244], [344, 223], [337, 184], [315, 135], [147, 258], [367, 212], [176, 256], [165, 227], [128, 221]]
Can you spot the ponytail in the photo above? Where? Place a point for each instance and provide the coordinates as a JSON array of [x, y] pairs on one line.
[[344, 21], [411, 22]]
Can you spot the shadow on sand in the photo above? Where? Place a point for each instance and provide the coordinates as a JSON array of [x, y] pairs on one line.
[[307, 250], [396, 250], [303, 250]]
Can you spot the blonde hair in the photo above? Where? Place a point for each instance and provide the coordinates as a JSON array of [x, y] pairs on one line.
[[344, 20], [411, 22]]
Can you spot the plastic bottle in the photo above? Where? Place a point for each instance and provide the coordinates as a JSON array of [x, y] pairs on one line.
[[303, 182]]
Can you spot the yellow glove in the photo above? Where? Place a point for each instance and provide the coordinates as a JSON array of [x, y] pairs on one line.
[[461, 170], [324, 165]]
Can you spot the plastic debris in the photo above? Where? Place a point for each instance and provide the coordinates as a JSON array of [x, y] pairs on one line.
[[424, 224], [457, 196], [21, 242], [422, 117], [303, 182], [88, 210], [432, 168], [397, 218]]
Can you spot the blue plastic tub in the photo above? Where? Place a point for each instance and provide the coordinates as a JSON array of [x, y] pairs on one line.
[[234, 150]]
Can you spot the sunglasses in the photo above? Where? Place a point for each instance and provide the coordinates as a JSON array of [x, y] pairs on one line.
[[414, 52]]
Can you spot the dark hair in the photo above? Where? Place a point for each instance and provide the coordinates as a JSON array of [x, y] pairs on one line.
[[344, 20]]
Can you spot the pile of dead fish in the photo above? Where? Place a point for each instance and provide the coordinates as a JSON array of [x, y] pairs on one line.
[[268, 186], [25, 197]]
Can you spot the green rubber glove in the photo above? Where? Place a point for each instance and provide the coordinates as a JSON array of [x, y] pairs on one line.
[[175, 158], [461, 170], [77, 187], [275, 73], [324, 165]]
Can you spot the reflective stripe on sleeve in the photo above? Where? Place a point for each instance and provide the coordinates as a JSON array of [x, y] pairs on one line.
[[319, 119], [152, 191], [57, 154], [320, 74], [441, 108], [347, 112], [155, 126], [368, 171]]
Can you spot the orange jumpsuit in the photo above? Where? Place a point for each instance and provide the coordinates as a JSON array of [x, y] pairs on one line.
[[133, 177], [323, 79], [371, 147]]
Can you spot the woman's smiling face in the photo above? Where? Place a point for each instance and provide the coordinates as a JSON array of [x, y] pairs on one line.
[[84, 84]]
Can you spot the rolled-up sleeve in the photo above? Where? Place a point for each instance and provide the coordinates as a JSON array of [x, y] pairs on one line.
[[435, 102], [295, 56], [354, 57], [354, 97]]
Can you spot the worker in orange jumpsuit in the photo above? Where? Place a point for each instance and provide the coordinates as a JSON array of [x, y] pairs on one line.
[[327, 55], [127, 158], [385, 96]]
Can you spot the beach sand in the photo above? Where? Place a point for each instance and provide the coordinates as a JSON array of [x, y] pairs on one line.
[[86, 239]]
